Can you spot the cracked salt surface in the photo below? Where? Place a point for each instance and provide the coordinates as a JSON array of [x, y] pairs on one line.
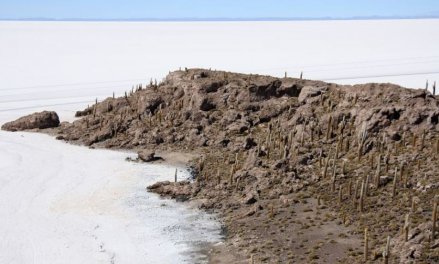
[[61, 203]]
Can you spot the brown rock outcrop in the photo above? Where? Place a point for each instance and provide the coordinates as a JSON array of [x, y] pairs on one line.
[[40, 120]]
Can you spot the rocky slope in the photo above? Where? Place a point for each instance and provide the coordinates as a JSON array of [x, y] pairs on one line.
[[297, 169]]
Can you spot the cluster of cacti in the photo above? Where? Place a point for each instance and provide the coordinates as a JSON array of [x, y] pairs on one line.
[[433, 87], [325, 162], [401, 174]]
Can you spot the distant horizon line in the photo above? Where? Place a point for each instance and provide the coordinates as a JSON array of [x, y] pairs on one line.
[[218, 19]]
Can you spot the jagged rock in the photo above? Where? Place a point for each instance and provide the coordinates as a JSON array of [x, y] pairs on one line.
[[310, 91], [181, 190], [40, 120]]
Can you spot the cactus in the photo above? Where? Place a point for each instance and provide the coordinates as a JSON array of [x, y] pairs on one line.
[[355, 99], [366, 244], [406, 227], [328, 131], [325, 169], [356, 192], [413, 206], [434, 88], [361, 205], [434, 219], [386, 161], [378, 172], [232, 171], [366, 185], [343, 168], [218, 176], [394, 183], [336, 152], [386, 253], [302, 136], [320, 159], [362, 136], [271, 214], [95, 107], [334, 169], [350, 187], [286, 152], [340, 195]]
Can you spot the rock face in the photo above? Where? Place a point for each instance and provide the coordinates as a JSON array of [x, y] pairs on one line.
[[40, 120]]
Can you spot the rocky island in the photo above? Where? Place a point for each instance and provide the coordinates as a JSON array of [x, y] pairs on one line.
[[299, 171]]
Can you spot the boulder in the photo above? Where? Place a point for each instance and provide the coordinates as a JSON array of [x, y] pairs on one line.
[[147, 156], [39, 120]]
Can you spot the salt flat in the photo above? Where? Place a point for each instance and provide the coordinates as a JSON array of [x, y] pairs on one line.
[[45, 64], [68, 204]]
